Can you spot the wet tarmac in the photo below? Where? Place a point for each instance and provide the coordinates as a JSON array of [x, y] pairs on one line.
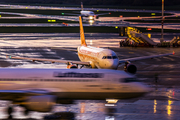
[[163, 103]]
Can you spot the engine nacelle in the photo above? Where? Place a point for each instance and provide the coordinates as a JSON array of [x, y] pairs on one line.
[[72, 67], [96, 17], [131, 68], [43, 103]]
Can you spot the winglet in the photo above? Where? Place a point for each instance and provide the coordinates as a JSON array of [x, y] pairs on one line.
[[83, 41], [173, 52]]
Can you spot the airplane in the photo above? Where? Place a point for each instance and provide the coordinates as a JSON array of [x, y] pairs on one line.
[[89, 14], [94, 57], [40, 89]]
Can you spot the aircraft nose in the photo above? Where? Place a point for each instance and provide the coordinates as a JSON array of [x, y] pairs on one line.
[[112, 64]]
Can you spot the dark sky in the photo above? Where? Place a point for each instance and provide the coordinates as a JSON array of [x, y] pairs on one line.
[[99, 2]]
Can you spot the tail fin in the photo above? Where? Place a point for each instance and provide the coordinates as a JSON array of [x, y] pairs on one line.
[[81, 5], [83, 41]]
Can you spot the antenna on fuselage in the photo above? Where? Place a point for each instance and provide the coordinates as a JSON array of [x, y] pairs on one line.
[[83, 41]]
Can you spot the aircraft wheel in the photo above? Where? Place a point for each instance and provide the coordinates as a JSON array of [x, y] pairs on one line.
[[26, 112], [9, 111]]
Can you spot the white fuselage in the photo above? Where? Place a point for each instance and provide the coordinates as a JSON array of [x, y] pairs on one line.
[[98, 57], [88, 14], [73, 83]]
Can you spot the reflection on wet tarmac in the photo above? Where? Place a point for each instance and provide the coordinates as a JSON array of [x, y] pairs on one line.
[[125, 109], [109, 40], [169, 107], [155, 106]]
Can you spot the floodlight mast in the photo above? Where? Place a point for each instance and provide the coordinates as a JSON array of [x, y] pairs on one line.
[[162, 21]]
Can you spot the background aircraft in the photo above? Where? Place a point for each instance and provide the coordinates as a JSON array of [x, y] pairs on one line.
[[96, 57], [89, 14], [40, 89]]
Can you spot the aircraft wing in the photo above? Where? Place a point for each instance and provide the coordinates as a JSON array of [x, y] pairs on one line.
[[72, 14], [144, 57], [50, 60], [17, 94], [103, 14], [67, 49]]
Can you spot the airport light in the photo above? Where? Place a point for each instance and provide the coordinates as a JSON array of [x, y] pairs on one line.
[[51, 20], [149, 29], [111, 101]]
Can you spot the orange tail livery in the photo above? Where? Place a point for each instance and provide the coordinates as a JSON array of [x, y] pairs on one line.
[[83, 42]]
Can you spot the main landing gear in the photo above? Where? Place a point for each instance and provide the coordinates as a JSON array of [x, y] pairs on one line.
[[10, 110]]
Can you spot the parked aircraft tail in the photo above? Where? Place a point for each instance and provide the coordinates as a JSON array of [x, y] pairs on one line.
[[83, 41]]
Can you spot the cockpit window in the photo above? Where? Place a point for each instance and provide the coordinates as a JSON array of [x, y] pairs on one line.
[[126, 80], [109, 57], [104, 57], [114, 57]]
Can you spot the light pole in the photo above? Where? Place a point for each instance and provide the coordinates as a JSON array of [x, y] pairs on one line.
[[162, 21]]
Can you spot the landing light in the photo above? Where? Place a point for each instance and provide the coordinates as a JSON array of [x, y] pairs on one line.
[[91, 17], [91, 21]]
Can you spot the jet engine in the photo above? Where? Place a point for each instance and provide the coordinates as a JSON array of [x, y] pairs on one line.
[[96, 16], [131, 68], [43, 103], [72, 67]]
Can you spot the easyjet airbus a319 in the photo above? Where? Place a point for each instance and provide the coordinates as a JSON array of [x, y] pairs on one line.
[[96, 57]]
